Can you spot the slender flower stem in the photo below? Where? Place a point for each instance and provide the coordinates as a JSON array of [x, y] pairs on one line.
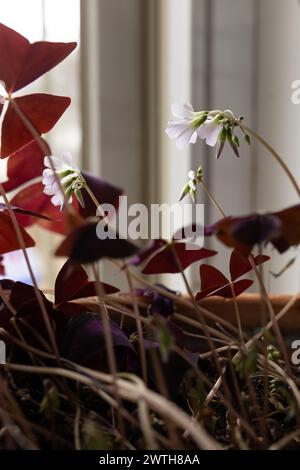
[[96, 202], [213, 199], [277, 157]]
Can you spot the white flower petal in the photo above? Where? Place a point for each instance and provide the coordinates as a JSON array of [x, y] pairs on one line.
[[194, 137], [212, 138], [48, 180], [209, 131], [205, 129], [57, 199], [48, 190], [184, 111], [184, 138], [175, 129], [57, 162], [52, 189], [47, 162], [62, 165], [182, 128], [48, 177], [47, 172]]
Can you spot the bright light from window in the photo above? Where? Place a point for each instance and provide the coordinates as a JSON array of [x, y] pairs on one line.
[[25, 17], [62, 20], [53, 20]]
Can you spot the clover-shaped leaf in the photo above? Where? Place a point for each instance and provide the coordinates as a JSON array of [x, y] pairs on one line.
[[213, 281], [72, 282], [22, 62]]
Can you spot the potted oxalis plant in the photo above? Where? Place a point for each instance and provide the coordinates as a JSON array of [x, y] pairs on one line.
[[90, 367]]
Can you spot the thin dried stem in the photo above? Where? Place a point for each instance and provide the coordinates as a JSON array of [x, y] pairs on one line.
[[131, 393], [138, 325], [111, 356]]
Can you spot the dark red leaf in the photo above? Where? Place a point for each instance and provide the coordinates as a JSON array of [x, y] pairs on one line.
[[70, 280], [211, 277], [145, 254], [24, 165], [20, 212], [22, 293], [165, 260], [83, 245], [21, 62], [72, 283], [43, 111], [31, 197], [23, 299], [52, 219], [213, 282], [238, 287], [239, 265], [60, 219], [8, 238]]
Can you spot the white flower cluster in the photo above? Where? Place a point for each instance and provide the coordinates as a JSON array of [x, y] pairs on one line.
[[71, 179], [214, 127]]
